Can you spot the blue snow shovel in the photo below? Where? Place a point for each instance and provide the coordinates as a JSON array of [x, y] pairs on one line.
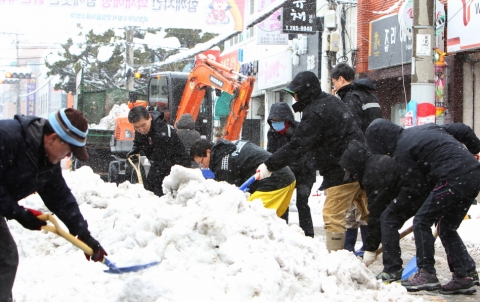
[[251, 180], [112, 268]]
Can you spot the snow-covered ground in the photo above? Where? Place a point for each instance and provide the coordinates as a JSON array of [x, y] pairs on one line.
[[213, 246]]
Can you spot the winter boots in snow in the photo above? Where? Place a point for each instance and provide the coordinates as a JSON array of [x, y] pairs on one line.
[[458, 285], [334, 241], [390, 277], [474, 276], [351, 240], [422, 280]]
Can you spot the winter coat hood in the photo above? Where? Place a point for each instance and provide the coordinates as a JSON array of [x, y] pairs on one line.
[[186, 122], [33, 128], [360, 84], [382, 136], [354, 158], [219, 151], [307, 87], [156, 115], [280, 111]]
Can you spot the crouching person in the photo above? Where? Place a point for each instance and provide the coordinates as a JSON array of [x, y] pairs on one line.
[[236, 162]]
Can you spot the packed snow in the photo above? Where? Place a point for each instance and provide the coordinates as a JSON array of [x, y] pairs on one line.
[[212, 244], [108, 122]]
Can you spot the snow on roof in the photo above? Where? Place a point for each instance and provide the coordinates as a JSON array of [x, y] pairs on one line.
[[199, 48], [264, 14]]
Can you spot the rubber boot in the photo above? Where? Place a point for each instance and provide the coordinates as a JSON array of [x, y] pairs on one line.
[[351, 239], [334, 241]]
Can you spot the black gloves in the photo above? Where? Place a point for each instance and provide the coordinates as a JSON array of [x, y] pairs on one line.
[[98, 251], [131, 152], [28, 219]]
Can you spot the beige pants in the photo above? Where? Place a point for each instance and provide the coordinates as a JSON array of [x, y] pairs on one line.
[[338, 201]]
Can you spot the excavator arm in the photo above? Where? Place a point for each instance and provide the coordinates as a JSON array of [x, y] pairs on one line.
[[209, 73]]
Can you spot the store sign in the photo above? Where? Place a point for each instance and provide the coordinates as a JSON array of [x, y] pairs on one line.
[[275, 70], [269, 31], [299, 16], [389, 46], [463, 26], [249, 69], [31, 87], [219, 16], [231, 60]]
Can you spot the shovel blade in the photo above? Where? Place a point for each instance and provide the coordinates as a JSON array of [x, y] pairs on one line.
[[410, 269], [130, 269]]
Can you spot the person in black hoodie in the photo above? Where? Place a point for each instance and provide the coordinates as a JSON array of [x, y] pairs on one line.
[[436, 152], [186, 131], [159, 142], [31, 149], [378, 175], [282, 126], [326, 129], [235, 162]]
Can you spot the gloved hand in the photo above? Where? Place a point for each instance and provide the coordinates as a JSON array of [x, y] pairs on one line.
[[98, 251], [28, 219], [369, 258], [131, 152], [262, 172]]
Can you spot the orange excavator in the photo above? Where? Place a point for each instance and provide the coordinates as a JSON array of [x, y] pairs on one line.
[[209, 73]]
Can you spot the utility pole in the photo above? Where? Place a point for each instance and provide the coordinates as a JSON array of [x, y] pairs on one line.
[[423, 71], [129, 56]]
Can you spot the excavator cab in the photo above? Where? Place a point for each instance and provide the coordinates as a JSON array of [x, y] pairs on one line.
[[165, 91]]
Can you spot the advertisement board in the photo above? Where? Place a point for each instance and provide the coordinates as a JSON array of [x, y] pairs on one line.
[[463, 24], [299, 16], [389, 46], [215, 16], [275, 70]]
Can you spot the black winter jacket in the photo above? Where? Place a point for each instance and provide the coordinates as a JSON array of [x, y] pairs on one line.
[[186, 131], [363, 105], [431, 150], [24, 169], [237, 162], [326, 128], [304, 168], [378, 175], [161, 145]]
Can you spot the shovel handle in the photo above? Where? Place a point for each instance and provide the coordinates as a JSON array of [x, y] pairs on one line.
[[402, 234], [245, 185], [55, 228]]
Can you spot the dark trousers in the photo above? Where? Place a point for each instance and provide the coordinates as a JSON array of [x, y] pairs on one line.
[[8, 261], [304, 189], [155, 179], [392, 220], [447, 204]]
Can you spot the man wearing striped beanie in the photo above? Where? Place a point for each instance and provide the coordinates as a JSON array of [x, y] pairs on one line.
[[31, 149]]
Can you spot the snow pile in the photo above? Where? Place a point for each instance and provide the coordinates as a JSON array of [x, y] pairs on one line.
[[213, 246], [105, 53], [108, 122]]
